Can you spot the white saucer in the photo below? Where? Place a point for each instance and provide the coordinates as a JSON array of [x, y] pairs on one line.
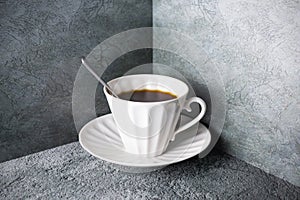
[[101, 139]]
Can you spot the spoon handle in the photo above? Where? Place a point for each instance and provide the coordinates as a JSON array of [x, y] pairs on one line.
[[97, 77]]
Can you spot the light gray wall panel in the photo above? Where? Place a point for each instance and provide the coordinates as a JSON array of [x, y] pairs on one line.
[[255, 45]]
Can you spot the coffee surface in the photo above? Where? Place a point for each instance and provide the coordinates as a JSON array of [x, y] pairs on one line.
[[147, 95]]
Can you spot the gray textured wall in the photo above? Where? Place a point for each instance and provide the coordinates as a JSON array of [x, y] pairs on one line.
[[41, 43], [255, 45]]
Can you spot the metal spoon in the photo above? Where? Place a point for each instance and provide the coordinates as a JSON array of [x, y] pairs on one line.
[[97, 77]]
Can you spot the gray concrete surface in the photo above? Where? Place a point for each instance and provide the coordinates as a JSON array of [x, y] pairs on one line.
[[68, 172]]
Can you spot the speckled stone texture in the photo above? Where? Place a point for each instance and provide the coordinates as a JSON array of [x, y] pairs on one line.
[[41, 43], [256, 46], [68, 172]]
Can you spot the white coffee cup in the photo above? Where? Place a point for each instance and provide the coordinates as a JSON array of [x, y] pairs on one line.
[[146, 128]]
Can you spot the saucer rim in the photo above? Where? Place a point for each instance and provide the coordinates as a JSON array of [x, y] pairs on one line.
[[141, 165]]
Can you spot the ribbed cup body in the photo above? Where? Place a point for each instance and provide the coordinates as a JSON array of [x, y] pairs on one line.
[[146, 127]]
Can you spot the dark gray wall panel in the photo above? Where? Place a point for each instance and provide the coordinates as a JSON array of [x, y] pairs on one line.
[[41, 43]]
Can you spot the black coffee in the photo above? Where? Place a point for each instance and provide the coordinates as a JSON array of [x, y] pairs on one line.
[[147, 95]]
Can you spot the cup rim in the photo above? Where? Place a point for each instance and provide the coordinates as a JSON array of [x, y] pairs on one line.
[[139, 102]]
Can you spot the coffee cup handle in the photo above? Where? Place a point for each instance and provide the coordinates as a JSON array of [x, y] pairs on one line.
[[187, 107]]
